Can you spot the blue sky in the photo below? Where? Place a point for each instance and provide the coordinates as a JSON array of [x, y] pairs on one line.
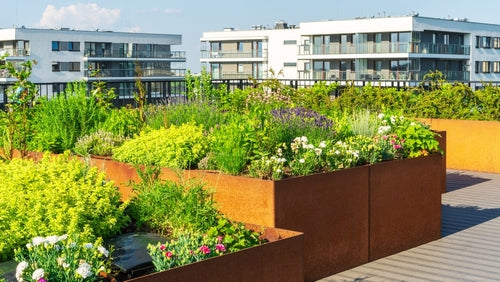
[[191, 18]]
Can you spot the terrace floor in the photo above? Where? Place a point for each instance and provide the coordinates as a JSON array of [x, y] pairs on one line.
[[469, 249]]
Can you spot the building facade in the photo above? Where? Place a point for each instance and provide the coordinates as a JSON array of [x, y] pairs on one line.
[[383, 48], [65, 55]]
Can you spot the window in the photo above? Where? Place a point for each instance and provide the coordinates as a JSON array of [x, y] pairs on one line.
[[55, 46], [290, 42], [482, 67], [73, 46], [446, 39], [241, 47], [486, 42], [496, 67], [74, 66], [290, 64], [241, 68], [434, 38], [496, 42], [56, 66]]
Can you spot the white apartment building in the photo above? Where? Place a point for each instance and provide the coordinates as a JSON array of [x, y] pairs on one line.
[[65, 55], [383, 48]]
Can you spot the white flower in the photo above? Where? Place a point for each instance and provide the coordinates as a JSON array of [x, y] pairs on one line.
[[337, 152], [37, 241], [281, 160], [393, 119], [322, 144], [302, 161], [28, 246], [318, 151], [103, 251], [51, 240], [303, 139], [381, 116], [38, 274], [20, 269], [383, 129], [278, 170], [88, 246], [62, 237], [84, 270]]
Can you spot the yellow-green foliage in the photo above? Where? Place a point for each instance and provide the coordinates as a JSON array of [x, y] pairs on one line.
[[175, 147], [57, 195]]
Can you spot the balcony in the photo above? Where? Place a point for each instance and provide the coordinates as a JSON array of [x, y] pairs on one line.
[[233, 54], [384, 47], [14, 52], [134, 54], [233, 75], [379, 75], [108, 73]]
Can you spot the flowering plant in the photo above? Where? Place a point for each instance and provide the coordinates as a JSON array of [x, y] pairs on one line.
[[59, 258], [187, 248]]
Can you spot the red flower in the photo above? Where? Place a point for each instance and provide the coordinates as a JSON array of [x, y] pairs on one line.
[[204, 249], [168, 254]]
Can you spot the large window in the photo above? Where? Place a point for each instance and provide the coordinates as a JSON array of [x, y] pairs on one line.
[[73, 46], [482, 66]]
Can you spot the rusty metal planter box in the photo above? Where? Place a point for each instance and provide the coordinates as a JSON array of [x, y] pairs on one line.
[[348, 217], [281, 259]]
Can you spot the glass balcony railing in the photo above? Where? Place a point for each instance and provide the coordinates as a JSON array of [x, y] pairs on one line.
[[14, 52], [233, 75], [379, 75], [384, 47], [233, 54], [134, 54], [131, 73]]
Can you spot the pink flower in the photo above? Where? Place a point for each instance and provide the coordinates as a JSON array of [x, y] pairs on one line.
[[220, 247], [42, 280], [204, 249], [168, 254], [162, 247], [219, 239], [397, 146]]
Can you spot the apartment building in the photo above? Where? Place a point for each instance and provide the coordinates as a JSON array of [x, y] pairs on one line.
[[65, 55], [379, 48]]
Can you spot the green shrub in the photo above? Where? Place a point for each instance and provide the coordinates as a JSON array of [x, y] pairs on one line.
[[55, 196], [60, 121], [232, 144], [100, 143], [123, 122], [175, 147], [158, 116], [170, 207]]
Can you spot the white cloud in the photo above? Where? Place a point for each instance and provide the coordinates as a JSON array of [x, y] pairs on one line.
[[79, 16]]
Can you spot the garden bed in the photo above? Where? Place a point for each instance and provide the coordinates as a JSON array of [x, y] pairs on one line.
[[471, 145], [348, 217], [280, 259]]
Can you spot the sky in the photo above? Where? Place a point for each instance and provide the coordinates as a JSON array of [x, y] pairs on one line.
[[190, 18]]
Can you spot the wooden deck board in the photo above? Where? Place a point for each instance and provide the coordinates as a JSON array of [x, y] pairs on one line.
[[469, 249]]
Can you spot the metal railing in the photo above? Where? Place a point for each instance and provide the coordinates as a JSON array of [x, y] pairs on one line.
[[114, 73], [233, 54], [175, 91], [108, 53], [384, 47]]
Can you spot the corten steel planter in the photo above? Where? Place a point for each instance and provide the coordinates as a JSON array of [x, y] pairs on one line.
[[348, 217], [405, 204], [281, 259], [471, 145]]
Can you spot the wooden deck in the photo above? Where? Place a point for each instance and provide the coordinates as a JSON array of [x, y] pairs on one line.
[[469, 249]]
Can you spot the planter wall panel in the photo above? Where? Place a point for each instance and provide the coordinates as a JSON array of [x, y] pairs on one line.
[[331, 209], [279, 260], [405, 204], [471, 145]]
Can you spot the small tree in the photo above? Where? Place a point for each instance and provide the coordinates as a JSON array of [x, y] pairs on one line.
[[140, 95], [21, 98], [100, 91]]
